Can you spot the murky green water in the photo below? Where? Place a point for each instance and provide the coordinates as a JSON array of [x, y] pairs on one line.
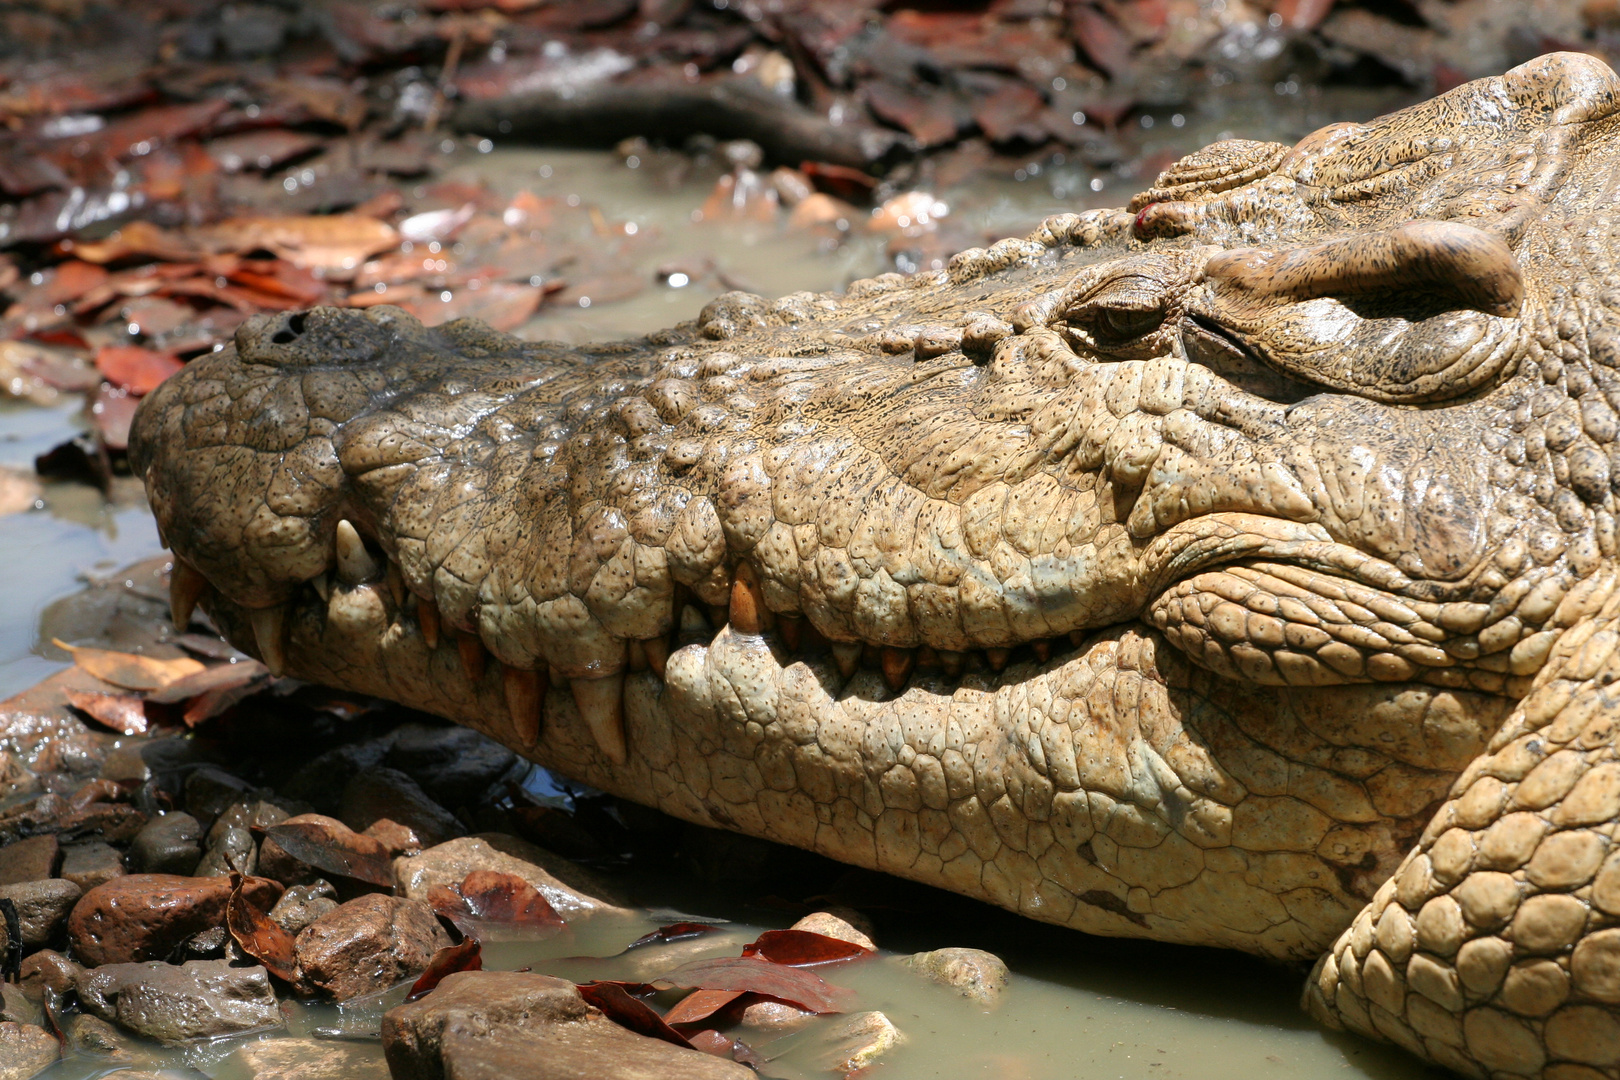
[[1078, 1007]]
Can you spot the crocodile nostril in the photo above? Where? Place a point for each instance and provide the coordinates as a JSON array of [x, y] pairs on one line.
[[282, 337], [295, 327]]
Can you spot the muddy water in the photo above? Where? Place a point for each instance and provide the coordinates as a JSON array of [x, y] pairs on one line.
[[1077, 1007]]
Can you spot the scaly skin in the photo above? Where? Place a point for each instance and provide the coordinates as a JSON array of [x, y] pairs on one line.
[[1237, 568]]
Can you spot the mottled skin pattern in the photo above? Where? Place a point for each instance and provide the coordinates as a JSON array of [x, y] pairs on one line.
[[1236, 568]]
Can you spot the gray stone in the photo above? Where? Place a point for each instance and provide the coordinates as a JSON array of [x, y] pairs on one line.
[[210, 791], [91, 1036], [230, 845], [42, 908], [973, 973], [48, 968], [484, 1025], [18, 1008], [25, 1050], [303, 904], [320, 783], [840, 924], [575, 892], [173, 1004], [454, 765], [171, 844], [309, 1059], [859, 1040], [382, 793], [92, 863]]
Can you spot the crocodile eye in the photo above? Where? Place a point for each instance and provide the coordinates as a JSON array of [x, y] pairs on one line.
[[1116, 326]]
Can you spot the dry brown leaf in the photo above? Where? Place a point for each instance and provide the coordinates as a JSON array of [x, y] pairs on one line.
[[328, 241], [122, 713], [128, 670]]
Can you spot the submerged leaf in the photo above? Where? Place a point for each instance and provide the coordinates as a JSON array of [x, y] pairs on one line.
[[803, 948], [673, 932], [795, 986], [629, 1012], [700, 1005]]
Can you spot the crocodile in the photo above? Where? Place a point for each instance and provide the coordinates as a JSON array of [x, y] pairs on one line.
[[1236, 568]]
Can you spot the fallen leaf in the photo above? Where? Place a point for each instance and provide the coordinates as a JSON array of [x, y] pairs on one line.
[[123, 713], [699, 1005], [465, 956], [260, 936], [506, 898], [795, 986], [128, 670], [628, 1012], [113, 410], [673, 932], [218, 677], [803, 948], [262, 150], [345, 853], [136, 238], [136, 369], [327, 241]]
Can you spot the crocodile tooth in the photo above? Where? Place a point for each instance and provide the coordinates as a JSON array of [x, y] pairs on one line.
[[694, 622], [997, 658], [270, 631], [1042, 650], [927, 658], [601, 703], [355, 566], [525, 694], [1077, 638], [471, 651], [748, 613], [847, 655], [872, 656], [186, 585], [791, 628], [322, 584], [395, 583], [952, 661], [897, 667], [427, 616], [657, 653]]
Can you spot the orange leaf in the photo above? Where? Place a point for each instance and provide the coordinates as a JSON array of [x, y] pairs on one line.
[[260, 936], [122, 713], [128, 670], [137, 369]]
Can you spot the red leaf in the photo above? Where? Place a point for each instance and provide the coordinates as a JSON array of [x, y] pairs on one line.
[[260, 936], [802, 948], [629, 1012], [700, 1005], [123, 713], [136, 369], [346, 853], [467, 956], [494, 897], [712, 1042], [673, 932], [749, 973]]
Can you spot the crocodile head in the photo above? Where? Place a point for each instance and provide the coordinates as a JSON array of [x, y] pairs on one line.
[[1156, 574]]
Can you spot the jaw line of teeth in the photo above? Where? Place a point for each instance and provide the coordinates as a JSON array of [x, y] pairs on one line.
[[599, 700]]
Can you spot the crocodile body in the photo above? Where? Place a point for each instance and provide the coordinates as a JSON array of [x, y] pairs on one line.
[[1235, 568]]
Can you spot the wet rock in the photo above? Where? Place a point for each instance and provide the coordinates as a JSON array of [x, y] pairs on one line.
[[368, 944], [571, 889], [42, 908], [91, 1036], [776, 1016], [17, 1007], [33, 859], [454, 765], [489, 1024], [859, 1040], [25, 1050], [212, 944], [144, 916], [171, 844], [48, 968], [275, 863], [90, 864], [174, 1004], [398, 839], [303, 904], [382, 793], [210, 791], [974, 973], [308, 1059], [115, 822], [839, 926], [230, 843], [321, 782]]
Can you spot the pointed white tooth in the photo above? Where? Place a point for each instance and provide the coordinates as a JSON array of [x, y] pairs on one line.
[[322, 583], [525, 697], [847, 655], [186, 585], [270, 630], [355, 566], [601, 703]]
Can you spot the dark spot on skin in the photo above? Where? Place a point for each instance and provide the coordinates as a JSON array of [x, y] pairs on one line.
[[1109, 902]]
